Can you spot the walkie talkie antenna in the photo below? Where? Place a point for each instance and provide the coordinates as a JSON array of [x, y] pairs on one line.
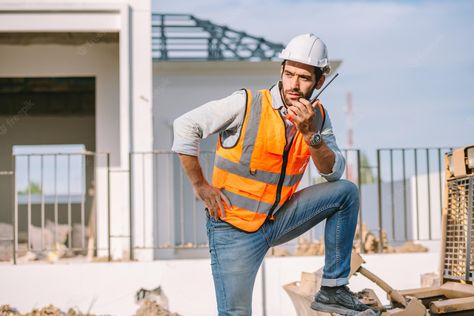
[[319, 93]]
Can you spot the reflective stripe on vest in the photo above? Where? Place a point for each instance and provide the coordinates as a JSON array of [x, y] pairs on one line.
[[250, 172]]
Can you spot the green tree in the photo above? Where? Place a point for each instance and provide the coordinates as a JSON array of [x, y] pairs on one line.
[[33, 188], [366, 171]]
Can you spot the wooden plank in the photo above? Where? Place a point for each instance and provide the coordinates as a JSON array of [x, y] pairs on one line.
[[301, 302], [356, 263], [457, 290], [452, 305], [414, 308], [423, 292]]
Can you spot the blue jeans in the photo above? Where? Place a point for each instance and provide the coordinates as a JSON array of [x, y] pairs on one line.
[[236, 255]]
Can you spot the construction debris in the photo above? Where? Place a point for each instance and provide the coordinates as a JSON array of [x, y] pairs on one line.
[[6, 310], [370, 244], [430, 279], [280, 252], [308, 248], [46, 311], [152, 302], [49, 243], [151, 308], [50, 310], [408, 246], [302, 294], [393, 295]]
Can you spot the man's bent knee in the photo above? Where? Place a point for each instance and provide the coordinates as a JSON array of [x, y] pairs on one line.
[[349, 190]]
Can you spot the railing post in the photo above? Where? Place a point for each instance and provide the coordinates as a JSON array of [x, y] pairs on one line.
[[108, 209], [392, 194], [130, 200], [379, 191], [416, 196], [440, 170], [405, 208], [359, 184], [429, 190], [15, 210]]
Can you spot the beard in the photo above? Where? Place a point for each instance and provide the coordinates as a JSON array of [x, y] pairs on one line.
[[291, 96]]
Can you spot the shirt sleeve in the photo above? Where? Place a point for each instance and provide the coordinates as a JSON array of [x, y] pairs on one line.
[[207, 119], [330, 140]]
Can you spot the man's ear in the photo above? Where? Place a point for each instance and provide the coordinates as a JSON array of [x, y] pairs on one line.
[[320, 82], [282, 68]]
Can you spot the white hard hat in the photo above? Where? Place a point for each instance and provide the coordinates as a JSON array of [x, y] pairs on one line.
[[307, 49]]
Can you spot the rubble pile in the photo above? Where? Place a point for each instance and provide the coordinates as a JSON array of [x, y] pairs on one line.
[[152, 303], [309, 248], [151, 308], [50, 310], [280, 252], [49, 243], [370, 244], [6, 310]]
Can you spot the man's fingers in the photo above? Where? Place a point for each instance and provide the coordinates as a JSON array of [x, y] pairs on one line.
[[216, 202], [298, 109], [292, 112], [225, 199], [295, 117], [220, 206], [210, 207], [306, 105], [209, 210], [316, 104]]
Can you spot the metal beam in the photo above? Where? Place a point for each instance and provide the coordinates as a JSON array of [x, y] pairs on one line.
[[186, 37]]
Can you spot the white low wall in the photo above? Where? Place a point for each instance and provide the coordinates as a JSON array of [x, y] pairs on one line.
[[109, 288]]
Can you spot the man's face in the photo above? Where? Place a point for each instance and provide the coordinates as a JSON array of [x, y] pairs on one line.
[[298, 81]]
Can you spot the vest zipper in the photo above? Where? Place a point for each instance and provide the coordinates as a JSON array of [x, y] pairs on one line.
[[286, 151]]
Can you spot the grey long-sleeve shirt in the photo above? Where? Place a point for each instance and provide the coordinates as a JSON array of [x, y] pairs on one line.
[[227, 115]]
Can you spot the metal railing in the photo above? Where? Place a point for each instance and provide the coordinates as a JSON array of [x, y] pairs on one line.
[[409, 186], [173, 202], [54, 202], [57, 192], [179, 221]]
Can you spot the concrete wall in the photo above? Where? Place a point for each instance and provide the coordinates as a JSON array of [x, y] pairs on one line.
[[109, 288], [98, 60]]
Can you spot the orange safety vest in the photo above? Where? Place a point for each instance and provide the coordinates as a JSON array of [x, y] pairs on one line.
[[257, 174]]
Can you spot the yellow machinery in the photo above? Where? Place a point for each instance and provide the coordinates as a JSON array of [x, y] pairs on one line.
[[455, 296]]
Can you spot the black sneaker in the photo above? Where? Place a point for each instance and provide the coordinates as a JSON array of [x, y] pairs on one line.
[[339, 300]]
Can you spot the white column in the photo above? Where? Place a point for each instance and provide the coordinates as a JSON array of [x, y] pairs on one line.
[[141, 129]]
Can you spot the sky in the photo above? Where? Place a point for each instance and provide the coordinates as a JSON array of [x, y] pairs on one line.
[[409, 65]]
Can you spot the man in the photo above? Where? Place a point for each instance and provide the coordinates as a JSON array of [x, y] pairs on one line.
[[266, 139]]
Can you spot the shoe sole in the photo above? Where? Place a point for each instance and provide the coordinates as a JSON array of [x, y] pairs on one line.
[[329, 308]]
